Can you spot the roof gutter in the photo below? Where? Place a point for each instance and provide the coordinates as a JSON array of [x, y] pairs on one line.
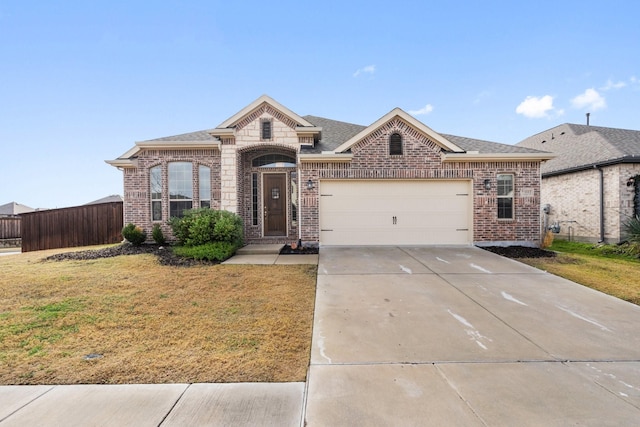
[[626, 159]]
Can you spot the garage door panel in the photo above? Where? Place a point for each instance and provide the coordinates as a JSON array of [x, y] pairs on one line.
[[395, 212]]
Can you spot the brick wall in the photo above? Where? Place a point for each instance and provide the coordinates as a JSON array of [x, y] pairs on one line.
[[575, 202], [137, 197], [421, 159]]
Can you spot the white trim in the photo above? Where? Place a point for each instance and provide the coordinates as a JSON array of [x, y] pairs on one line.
[[325, 158], [483, 157], [413, 122], [255, 104]]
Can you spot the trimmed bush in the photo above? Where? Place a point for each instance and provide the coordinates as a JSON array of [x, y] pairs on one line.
[[158, 235], [201, 226], [215, 251], [134, 234]]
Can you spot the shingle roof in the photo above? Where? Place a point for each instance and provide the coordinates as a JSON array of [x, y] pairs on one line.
[[581, 146], [486, 147], [334, 133], [201, 135], [13, 208]]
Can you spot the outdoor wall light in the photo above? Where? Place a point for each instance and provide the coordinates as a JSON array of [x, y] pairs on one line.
[[487, 184], [631, 181], [309, 185]]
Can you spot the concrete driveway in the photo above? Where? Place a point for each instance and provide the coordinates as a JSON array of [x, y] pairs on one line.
[[460, 336]]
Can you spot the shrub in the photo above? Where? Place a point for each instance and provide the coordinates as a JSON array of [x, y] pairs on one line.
[[214, 251], [201, 226], [632, 229], [134, 234], [158, 235]]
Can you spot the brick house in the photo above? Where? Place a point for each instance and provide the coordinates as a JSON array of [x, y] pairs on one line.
[[592, 186], [326, 182]]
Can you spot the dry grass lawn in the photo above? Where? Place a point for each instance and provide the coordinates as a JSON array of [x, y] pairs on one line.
[[150, 323], [617, 277]]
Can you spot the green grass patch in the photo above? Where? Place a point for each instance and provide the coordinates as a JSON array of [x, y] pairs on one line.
[[625, 251]]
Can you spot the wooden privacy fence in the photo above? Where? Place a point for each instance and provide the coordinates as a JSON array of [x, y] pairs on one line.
[[70, 227], [10, 228]]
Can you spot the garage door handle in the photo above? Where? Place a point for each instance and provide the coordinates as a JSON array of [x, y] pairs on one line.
[[325, 229], [462, 229], [395, 220]]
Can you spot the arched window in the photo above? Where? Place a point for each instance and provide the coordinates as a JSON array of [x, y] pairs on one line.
[[395, 144], [274, 161]]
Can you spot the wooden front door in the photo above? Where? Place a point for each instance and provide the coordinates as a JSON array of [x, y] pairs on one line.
[[274, 200]]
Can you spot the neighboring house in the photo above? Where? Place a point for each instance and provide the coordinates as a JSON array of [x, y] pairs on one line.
[[592, 185], [325, 182], [114, 198], [14, 209]]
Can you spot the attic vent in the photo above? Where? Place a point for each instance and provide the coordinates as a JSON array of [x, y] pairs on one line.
[[395, 144]]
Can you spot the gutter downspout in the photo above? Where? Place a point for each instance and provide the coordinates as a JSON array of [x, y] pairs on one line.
[[601, 203]]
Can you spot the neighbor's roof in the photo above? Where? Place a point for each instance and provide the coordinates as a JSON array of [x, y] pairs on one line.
[[109, 199], [579, 147], [13, 208]]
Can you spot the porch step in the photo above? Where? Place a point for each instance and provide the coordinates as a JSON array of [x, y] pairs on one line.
[[260, 249]]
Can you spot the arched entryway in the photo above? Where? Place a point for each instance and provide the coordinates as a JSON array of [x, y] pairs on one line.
[[269, 194]]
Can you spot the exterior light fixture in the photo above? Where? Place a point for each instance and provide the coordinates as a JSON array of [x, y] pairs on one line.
[[309, 185], [487, 184]]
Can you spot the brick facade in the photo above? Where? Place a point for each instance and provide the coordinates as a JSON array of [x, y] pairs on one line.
[[237, 185], [574, 201], [421, 159]]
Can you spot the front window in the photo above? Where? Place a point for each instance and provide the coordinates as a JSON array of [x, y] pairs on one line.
[[155, 185], [205, 186], [180, 188], [505, 196]]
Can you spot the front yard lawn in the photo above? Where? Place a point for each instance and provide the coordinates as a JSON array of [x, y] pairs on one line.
[[601, 267], [129, 319]]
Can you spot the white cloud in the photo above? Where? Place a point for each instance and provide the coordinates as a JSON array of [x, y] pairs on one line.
[[611, 85], [534, 107], [590, 100], [422, 111], [369, 69]]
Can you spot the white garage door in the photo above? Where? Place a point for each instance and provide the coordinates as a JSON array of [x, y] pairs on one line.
[[377, 212]]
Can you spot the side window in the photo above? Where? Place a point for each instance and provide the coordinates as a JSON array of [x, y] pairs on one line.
[[180, 188], [395, 144], [155, 187], [265, 130], [204, 174], [505, 196]]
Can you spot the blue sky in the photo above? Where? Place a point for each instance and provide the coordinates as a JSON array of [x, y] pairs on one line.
[[81, 81]]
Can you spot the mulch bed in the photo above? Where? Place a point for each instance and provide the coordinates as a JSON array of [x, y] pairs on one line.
[[519, 252], [165, 255]]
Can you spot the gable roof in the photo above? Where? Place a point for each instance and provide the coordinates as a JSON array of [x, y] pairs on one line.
[[407, 118], [108, 199], [231, 121], [580, 147], [13, 208]]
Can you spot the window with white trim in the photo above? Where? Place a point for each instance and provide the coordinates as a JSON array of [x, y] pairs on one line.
[[180, 188], [505, 196], [204, 178], [155, 188]]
